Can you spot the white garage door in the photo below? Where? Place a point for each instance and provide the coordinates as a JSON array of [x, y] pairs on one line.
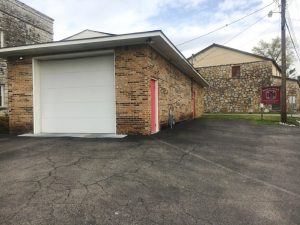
[[78, 95]]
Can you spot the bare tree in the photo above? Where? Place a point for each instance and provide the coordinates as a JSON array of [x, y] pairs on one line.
[[273, 50]]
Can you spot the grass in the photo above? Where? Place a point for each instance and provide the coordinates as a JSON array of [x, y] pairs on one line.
[[4, 128], [267, 119]]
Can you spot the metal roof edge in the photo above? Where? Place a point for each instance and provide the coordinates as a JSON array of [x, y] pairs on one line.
[[148, 34], [76, 41], [205, 83]]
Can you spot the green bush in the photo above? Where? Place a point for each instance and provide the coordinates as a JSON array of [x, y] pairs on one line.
[[4, 128]]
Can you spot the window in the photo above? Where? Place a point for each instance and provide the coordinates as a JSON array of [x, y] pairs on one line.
[[1, 95], [292, 103], [235, 72], [1, 39]]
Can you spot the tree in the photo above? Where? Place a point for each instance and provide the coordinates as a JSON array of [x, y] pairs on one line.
[[273, 50]]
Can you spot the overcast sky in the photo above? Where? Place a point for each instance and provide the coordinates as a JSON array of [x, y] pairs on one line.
[[180, 20]]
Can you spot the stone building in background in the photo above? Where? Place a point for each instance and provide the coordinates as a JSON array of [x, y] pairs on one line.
[[236, 79], [20, 25]]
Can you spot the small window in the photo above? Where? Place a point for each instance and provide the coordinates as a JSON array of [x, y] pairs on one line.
[[1, 39], [1, 95], [236, 72]]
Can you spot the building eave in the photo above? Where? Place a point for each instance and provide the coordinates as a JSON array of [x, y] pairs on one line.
[[236, 50], [289, 79]]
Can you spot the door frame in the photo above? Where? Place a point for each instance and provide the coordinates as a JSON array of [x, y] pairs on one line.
[[36, 80], [156, 106]]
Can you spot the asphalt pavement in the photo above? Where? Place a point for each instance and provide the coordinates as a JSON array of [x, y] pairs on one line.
[[201, 172]]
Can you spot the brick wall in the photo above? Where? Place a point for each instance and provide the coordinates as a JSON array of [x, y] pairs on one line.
[[132, 90], [135, 66], [20, 95], [227, 94], [199, 92], [175, 90]]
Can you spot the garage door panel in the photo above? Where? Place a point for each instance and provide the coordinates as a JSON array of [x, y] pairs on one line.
[[78, 95], [78, 110], [88, 78], [75, 65], [87, 125]]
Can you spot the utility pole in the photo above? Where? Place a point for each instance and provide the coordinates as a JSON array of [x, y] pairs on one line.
[[283, 63]]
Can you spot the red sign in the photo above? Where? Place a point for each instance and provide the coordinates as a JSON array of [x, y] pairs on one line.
[[270, 95]]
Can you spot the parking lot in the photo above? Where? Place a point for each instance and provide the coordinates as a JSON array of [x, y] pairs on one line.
[[201, 172]]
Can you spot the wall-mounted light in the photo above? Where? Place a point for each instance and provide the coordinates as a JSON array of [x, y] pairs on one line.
[[149, 41]]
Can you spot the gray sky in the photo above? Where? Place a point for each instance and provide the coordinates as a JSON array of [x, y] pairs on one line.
[[180, 20]]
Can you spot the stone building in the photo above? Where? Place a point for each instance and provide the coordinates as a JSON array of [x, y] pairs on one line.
[[236, 79], [19, 25]]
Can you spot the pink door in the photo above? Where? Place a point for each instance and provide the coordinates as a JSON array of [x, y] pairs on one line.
[[153, 107]]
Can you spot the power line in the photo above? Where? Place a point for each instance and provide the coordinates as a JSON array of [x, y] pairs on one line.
[[247, 28], [291, 31], [293, 42], [257, 36], [222, 27]]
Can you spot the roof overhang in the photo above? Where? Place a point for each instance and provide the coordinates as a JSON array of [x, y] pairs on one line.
[[214, 45], [156, 39]]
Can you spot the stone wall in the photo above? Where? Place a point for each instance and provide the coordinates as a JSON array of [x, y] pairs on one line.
[[292, 89], [21, 25], [227, 94], [135, 66]]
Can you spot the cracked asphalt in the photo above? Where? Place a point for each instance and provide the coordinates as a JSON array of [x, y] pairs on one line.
[[202, 172]]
